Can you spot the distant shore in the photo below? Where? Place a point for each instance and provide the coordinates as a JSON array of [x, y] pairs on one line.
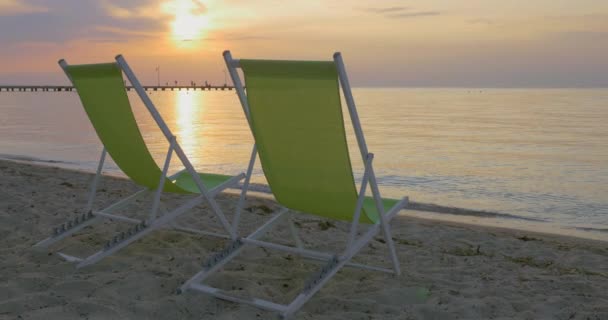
[[450, 270], [55, 88]]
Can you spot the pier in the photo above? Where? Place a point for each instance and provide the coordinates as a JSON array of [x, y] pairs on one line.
[[46, 88]]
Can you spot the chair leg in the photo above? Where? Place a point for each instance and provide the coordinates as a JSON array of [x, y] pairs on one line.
[[93, 187], [156, 202], [386, 231], [240, 203], [294, 233]]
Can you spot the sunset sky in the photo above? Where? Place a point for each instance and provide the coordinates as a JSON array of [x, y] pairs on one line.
[[464, 43]]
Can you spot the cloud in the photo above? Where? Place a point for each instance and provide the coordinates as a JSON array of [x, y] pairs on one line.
[[482, 21], [105, 33], [193, 7], [387, 9], [400, 12], [138, 9], [237, 37], [199, 8], [70, 20], [14, 7], [413, 14]]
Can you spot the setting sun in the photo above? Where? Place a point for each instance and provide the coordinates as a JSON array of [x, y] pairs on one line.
[[190, 22]]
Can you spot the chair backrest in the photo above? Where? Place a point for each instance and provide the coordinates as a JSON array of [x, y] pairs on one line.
[[104, 98], [296, 119]]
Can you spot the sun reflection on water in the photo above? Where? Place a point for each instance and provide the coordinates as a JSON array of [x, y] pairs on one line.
[[188, 109]]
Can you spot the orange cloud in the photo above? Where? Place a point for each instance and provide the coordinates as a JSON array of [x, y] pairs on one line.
[[14, 7]]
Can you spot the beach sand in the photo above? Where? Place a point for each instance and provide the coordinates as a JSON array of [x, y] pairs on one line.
[[449, 270]]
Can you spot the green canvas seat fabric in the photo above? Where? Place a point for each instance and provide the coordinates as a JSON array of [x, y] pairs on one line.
[[104, 98], [369, 205], [296, 119], [210, 181]]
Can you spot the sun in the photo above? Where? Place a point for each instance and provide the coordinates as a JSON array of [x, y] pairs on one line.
[[190, 22]]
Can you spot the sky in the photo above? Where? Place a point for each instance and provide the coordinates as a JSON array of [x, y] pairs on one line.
[[432, 43]]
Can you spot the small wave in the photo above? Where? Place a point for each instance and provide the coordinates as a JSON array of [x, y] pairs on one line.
[[591, 229], [428, 207], [435, 208], [32, 159]]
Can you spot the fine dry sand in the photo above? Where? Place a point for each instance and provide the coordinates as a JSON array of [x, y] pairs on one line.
[[450, 271]]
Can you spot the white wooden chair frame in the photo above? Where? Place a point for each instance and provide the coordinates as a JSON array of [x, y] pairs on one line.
[[333, 261], [154, 222]]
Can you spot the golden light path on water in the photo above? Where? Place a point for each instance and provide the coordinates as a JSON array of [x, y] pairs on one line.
[[210, 129], [189, 106]]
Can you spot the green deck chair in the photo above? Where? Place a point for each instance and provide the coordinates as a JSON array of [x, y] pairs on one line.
[[103, 95], [294, 112]]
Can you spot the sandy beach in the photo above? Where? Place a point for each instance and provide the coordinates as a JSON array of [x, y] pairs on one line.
[[450, 270]]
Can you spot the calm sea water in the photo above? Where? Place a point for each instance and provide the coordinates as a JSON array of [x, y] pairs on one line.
[[532, 153]]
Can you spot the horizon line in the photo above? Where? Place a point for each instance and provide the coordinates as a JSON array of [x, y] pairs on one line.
[[3, 85]]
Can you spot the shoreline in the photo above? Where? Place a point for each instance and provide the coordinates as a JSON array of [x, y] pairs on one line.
[[419, 210], [464, 271]]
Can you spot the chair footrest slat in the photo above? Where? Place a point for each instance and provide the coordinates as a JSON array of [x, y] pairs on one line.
[[69, 258], [122, 236], [213, 263], [119, 241], [321, 274], [224, 254], [260, 303], [77, 223], [68, 228], [72, 223]]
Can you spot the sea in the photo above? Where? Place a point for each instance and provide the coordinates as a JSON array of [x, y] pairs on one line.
[[531, 159]]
